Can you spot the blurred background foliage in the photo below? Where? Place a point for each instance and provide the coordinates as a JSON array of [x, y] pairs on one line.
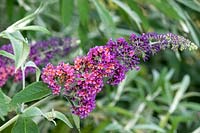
[[162, 97]]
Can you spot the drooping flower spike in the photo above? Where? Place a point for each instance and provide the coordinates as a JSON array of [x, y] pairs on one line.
[[83, 80], [41, 53]]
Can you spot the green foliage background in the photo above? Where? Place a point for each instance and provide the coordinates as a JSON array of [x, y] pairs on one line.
[[142, 102]]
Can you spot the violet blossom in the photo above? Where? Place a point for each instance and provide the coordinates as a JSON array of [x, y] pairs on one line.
[[83, 80]]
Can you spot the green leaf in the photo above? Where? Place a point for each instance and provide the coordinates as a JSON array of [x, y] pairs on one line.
[[185, 17], [130, 12], [16, 45], [149, 127], [4, 104], [193, 4], [63, 118], [191, 105], [114, 126], [83, 35], [66, 7], [20, 46], [33, 111], [106, 18], [25, 125], [169, 74], [76, 121], [83, 10], [124, 32], [178, 9], [32, 64], [165, 7], [180, 93], [24, 21], [192, 30], [191, 94], [119, 110], [7, 54], [32, 92], [134, 6], [34, 28]]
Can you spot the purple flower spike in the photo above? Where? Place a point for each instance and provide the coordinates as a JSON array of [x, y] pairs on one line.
[[82, 81]]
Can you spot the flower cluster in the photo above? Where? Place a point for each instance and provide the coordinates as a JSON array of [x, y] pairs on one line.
[[151, 43], [41, 53], [83, 80]]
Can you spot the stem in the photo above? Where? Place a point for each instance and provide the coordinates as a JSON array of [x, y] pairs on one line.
[[23, 85], [40, 102], [11, 121], [8, 123], [23, 78]]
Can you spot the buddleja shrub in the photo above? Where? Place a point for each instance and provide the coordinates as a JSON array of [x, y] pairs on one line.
[[80, 82]]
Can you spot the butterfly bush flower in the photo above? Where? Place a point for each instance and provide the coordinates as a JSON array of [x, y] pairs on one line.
[[41, 53], [83, 80]]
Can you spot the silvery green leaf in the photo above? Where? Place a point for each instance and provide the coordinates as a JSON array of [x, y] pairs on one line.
[[20, 47], [7, 54], [34, 28], [63, 118]]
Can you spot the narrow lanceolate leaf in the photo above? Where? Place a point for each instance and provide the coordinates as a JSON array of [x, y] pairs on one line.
[[130, 12], [149, 127], [4, 105], [165, 7], [135, 7], [34, 91], [191, 105], [83, 35], [180, 93], [105, 18], [114, 126], [66, 7], [193, 4], [76, 121], [192, 30], [24, 21], [34, 28], [63, 118], [83, 10], [24, 55], [6, 54], [20, 47], [119, 110], [25, 125], [32, 64]]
